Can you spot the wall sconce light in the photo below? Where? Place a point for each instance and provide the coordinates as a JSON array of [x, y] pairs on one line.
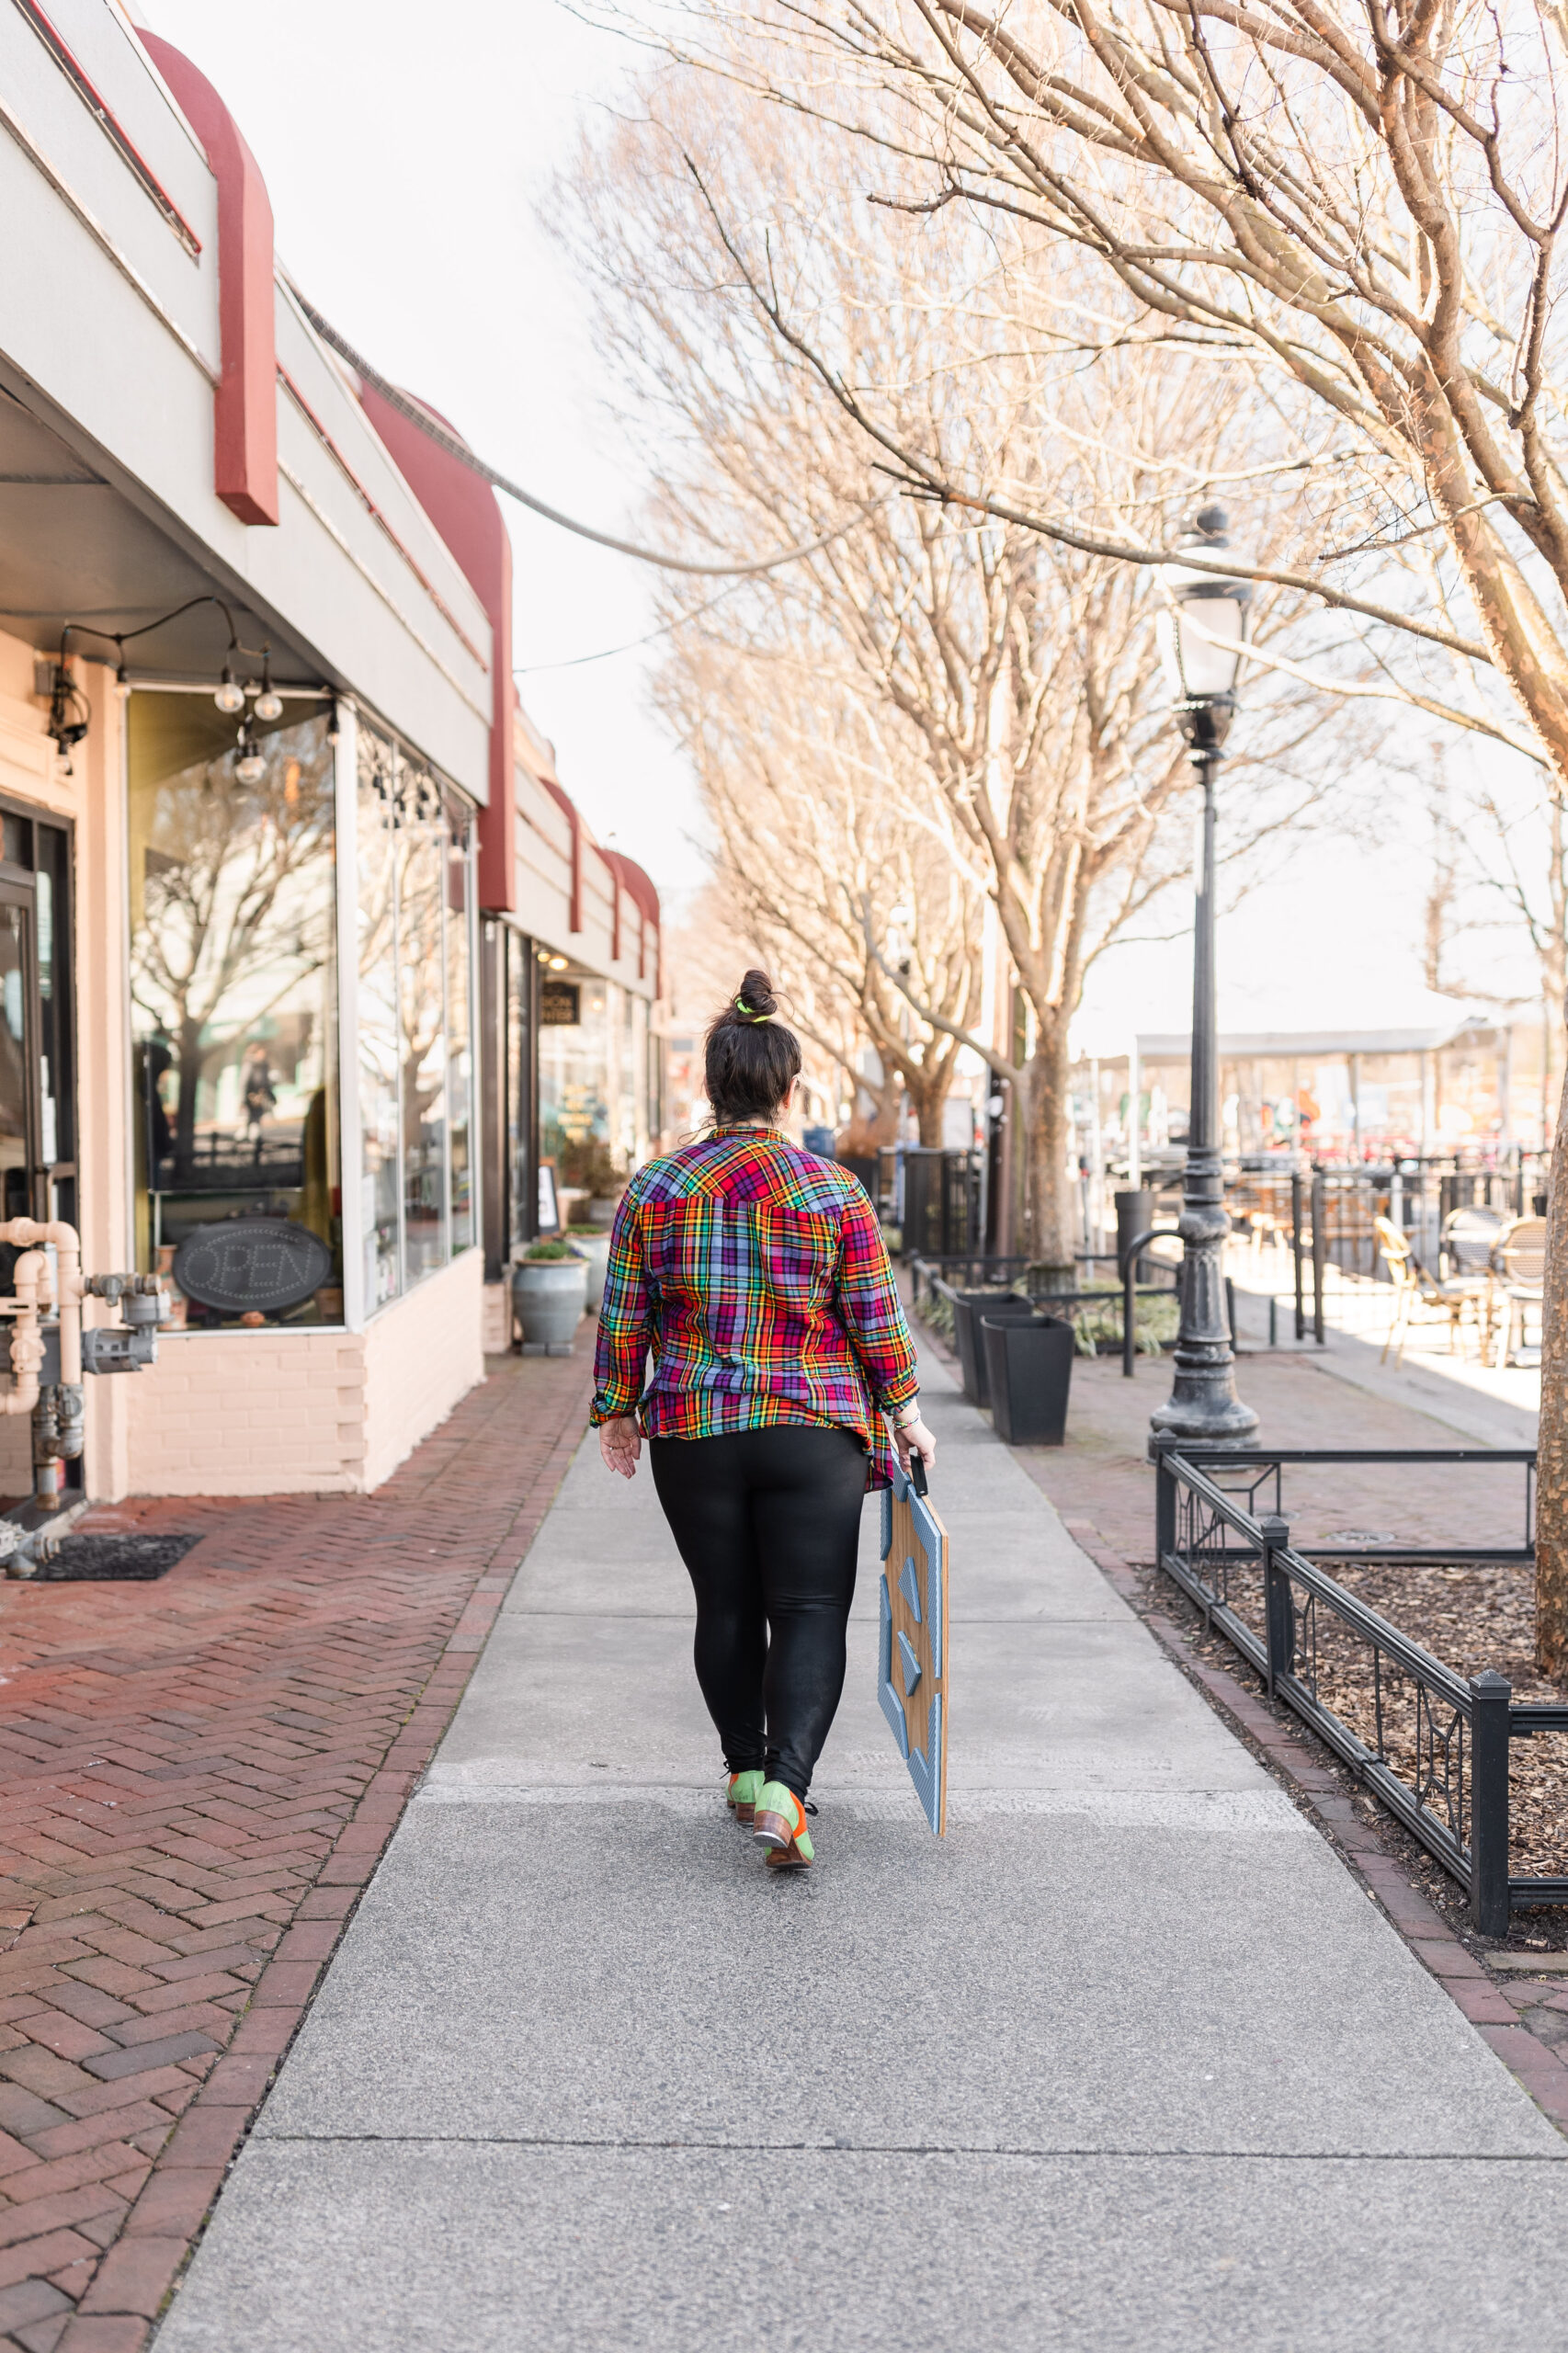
[[69, 713]]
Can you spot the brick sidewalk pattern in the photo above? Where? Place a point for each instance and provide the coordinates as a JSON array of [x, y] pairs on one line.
[[197, 1779]]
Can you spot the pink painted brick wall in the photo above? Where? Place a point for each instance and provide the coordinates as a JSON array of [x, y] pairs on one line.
[[258, 1413], [420, 1357]]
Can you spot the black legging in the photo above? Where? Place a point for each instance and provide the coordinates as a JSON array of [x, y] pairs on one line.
[[768, 1522]]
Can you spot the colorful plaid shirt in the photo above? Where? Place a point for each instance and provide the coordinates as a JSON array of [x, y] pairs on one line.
[[757, 1277]]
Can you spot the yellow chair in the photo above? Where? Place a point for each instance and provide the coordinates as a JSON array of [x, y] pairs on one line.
[[1414, 1286]]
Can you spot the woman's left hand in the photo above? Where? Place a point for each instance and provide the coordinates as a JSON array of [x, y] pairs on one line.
[[914, 1438], [620, 1443]]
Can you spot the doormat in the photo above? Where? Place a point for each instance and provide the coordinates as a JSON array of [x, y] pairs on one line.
[[82, 1559]]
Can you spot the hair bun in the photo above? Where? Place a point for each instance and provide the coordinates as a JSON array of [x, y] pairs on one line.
[[757, 995]]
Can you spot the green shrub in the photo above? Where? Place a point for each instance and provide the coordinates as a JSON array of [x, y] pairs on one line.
[[542, 1252], [1155, 1321]]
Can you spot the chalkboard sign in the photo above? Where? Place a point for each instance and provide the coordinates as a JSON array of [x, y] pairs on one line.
[[249, 1264], [559, 1004]]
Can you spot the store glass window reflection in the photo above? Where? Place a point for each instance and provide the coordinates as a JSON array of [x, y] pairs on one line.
[[415, 898], [234, 966]]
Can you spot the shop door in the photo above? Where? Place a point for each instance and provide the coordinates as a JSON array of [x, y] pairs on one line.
[[38, 1174], [17, 1046]]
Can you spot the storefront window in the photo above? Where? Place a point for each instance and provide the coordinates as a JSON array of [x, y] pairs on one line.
[[519, 1086], [576, 1127], [380, 1181], [415, 1048], [459, 1032], [234, 1003], [594, 1061]]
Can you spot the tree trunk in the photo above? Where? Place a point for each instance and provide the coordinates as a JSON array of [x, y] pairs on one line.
[[928, 1107], [1053, 1220], [1551, 1487]]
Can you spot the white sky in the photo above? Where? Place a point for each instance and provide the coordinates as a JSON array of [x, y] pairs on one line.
[[408, 152]]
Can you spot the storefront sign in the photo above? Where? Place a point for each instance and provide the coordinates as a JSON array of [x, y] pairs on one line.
[[559, 1004]]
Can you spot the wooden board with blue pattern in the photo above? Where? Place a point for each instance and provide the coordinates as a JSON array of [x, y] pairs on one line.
[[911, 1655]]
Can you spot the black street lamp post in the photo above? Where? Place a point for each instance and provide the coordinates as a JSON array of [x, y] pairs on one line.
[[1204, 640]]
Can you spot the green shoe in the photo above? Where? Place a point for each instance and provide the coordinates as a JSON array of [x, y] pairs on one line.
[[780, 1825], [742, 1796]]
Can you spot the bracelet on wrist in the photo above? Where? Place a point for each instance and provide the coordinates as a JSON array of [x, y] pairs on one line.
[[904, 1416]]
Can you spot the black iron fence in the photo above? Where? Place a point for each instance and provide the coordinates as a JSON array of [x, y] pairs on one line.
[[1435, 1746], [973, 1271]]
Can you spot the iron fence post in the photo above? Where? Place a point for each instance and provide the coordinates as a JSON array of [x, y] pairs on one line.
[[1490, 1697], [1320, 1245], [1165, 1499], [1296, 1253], [1279, 1602]]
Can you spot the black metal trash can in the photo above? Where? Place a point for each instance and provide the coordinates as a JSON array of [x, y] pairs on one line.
[[1030, 1367], [969, 1306], [1134, 1215]]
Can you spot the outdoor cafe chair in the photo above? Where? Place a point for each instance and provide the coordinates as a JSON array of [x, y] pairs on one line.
[[1468, 1235], [1519, 1265], [1414, 1286]]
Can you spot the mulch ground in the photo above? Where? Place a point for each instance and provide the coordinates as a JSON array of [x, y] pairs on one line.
[[197, 1779], [1469, 1616]]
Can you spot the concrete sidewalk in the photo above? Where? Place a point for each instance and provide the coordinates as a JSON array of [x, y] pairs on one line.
[[1128, 2061]]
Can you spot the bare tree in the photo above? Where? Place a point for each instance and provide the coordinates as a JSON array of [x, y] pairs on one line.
[[802, 790], [1016, 675], [1368, 203]]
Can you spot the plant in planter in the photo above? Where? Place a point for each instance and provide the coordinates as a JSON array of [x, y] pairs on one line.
[[550, 1285]]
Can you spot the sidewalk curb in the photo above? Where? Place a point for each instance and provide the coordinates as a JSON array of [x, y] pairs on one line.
[[1292, 1753]]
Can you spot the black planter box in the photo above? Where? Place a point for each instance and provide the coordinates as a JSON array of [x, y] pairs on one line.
[[969, 1306], [1030, 1367]]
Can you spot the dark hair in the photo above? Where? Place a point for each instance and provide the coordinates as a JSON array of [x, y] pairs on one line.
[[749, 1058]]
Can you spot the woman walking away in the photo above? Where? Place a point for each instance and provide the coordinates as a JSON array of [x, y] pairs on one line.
[[756, 1276]]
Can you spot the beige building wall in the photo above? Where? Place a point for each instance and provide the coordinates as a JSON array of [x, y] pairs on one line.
[[221, 1413]]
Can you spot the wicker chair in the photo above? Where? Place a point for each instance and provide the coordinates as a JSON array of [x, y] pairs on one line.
[[1470, 1235], [1414, 1286]]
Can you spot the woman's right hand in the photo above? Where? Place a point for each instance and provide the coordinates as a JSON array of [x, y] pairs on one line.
[[914, 1438], [620, 1443]]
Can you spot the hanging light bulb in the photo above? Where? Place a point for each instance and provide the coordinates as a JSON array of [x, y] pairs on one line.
[[230, 696], [269, 702], [251, 766]]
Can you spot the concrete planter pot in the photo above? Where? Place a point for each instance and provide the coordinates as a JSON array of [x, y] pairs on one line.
[[549, 1294], [969, 1306], [595, 1248], [601, 1210], [1030, 1369]]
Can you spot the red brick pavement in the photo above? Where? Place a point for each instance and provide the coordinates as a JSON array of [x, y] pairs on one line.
[[197, 1779]]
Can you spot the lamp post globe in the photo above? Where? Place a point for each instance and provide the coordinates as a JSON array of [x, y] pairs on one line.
[[1203, 640]]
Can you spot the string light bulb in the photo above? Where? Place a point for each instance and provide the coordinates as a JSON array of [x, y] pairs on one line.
[[269, 702], [230, 696], [251, 765]]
